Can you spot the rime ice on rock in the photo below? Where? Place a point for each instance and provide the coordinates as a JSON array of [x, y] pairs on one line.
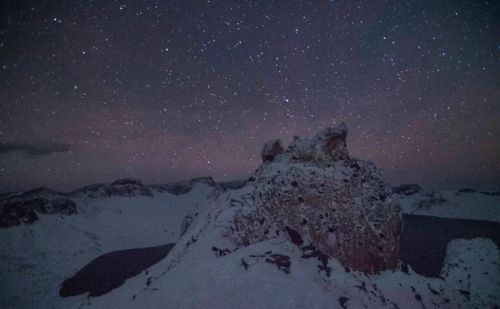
[[339, 204]]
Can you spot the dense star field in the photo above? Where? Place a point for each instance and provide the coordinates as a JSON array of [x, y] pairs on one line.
[[168, 90]]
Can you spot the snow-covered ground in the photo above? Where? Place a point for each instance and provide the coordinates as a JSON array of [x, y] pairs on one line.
[[36, 258], [452, 203], [206, 270], [194, 275]]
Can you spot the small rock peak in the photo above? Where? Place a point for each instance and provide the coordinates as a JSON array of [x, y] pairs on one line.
[[127, 181], [333, 141], [125, 187], [271, 150], [327, 145], [336, 131]]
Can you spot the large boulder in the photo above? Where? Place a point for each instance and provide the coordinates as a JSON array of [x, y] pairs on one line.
[[315, 193]]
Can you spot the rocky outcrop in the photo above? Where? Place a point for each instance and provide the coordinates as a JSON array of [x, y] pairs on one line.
[[407, 189], [232, 185], [183, 187], [120, 188], [186, 223], [26, 209], [470, 190], [316, 193]]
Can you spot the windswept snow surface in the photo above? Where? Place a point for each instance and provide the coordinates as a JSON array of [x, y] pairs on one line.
[[206, 270], [35, 259]]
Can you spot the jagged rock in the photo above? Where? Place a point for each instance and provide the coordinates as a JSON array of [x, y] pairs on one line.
[[183, 187], [470, 190], [185, 224], [466, 190], [25, 209], [341, 205], [271, 150], [233, 185], [120, 188], [430, 200], [407, 189]]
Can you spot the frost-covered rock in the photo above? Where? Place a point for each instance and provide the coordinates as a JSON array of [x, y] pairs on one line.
[[319, 195]]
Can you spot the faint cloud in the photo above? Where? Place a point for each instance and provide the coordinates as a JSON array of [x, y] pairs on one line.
[[34, 149]]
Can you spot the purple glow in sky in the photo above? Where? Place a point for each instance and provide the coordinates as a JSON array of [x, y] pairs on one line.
[[169, 90]]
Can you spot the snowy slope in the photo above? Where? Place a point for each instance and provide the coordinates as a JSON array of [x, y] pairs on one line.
[[36, 258], [206, 270]]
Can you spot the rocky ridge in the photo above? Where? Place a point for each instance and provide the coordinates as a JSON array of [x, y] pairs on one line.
[[25, 207]]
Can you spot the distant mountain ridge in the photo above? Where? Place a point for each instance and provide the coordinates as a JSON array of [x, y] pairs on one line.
[[23, 207]]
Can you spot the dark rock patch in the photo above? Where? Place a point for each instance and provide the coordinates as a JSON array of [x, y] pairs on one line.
[[281, 261], [466, 190], [310, 251], [235, 202], [184, 187], [220, 252], [17, 210], [294, 236], [185, 224], [496, 193], [465, 293], [127, 181], [244, 264], [407, 189], [120, 188], [343, 301], [233, 185], [470, 190]]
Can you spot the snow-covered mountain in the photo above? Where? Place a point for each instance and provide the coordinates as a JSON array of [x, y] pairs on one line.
[[40, 252], [312, 228]]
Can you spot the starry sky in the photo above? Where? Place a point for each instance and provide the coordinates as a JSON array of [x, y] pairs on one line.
[[92, 91]]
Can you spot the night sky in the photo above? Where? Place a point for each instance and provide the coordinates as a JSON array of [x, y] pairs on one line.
[[92, 91]]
